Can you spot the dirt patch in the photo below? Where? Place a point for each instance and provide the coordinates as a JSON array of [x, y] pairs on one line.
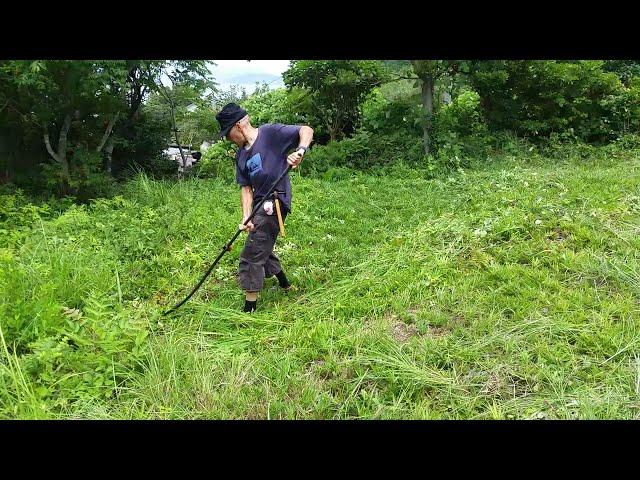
[[204, 401], [558, 235], [389, 317], [369, 324], [458, 321], [319, 370], [438, 331], [505, 384], [402, 332], [315, 365], [493, 384]]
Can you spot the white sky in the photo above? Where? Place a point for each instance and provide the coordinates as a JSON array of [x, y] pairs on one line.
[[246, 74]]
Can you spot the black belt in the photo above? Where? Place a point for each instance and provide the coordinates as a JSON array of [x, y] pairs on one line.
[[279, 194]]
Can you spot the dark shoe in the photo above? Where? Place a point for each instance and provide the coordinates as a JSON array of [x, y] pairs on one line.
[[250, 307], [282, 280]]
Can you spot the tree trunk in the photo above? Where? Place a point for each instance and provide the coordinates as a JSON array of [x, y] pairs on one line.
[[175, 132], [333, 127], [61, 156], [184, 160], [112, 122], [427, 103], [136, 95], [163, 91], [108, 150], [332, 133], [136, 92]]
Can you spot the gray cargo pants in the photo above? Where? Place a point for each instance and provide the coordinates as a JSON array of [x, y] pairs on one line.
[[257, 260]]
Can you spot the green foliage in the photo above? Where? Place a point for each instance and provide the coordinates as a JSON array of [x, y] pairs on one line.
[[82, 98], [269, 107], [233, 94], [62, 312], [142, 147], [433, 69], [351, 152], [623, 108], [87, 177], [51, 88], [336, 89], [460, 134], [18, 216], [463, 115], [195, 119], [384, 116], [72, 102], [391, 317], [218, 161], [537, 98], [198, 126], [363, 151], [391, 133], [625, 69], [276, 106], [290, 107], [90, 354]]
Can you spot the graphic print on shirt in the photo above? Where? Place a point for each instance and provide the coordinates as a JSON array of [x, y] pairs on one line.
[[254, 165]]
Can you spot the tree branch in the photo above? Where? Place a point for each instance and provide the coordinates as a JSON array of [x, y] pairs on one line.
[[112, 122], [397, 78], [48, 145], [400, 77], [10, 106]]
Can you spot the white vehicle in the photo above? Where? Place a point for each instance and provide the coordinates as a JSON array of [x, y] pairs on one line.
[[191, 157]]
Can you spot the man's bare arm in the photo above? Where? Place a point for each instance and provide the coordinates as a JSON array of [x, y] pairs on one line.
[[306, 136], [246, 200]]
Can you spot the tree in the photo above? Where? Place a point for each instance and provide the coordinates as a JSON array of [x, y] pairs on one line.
[[235, 94], [62, 96], [337, 89], [625, 69], [81, 110], [538, 98], [281, 106], [427, 73], [140, 137], [186, 79], [194, 115]]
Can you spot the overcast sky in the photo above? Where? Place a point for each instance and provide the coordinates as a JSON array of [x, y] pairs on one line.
[[246, 74]]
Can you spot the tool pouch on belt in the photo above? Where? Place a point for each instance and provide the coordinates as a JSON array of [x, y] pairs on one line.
[[270, 205]]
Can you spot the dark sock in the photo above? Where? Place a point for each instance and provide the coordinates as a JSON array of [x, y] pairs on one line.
[[250, 306], [282, 279]]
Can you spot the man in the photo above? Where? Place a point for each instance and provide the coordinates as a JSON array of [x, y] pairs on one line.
[[260, 160]]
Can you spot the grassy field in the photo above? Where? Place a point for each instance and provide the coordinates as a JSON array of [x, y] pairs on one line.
[[510, 291]]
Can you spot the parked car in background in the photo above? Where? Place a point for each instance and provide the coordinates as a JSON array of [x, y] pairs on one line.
[[191, 156]]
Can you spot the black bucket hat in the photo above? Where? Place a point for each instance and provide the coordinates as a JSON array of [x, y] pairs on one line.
[[230, 114]]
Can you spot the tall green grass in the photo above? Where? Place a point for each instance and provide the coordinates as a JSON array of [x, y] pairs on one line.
[[507, 291]]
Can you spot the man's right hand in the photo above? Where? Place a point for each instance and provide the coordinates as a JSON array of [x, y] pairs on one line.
[[248, 227]]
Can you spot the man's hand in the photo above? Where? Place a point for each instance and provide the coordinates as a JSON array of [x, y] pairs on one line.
[[295, 158], [248, 227]]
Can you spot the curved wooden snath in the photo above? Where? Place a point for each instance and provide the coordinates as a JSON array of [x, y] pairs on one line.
[[227, 246]]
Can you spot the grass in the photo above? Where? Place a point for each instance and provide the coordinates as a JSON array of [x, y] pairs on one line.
[[506, 291]]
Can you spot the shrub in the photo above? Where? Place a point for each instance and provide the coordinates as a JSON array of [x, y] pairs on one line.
[[218, 161]]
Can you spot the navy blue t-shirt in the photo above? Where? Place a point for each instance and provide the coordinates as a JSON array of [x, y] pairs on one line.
[[265, 161]]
